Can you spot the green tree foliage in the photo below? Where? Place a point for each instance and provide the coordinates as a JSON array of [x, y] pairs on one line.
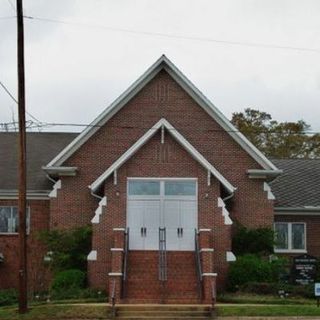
[[277, 139], [67, 249], [258, 241]]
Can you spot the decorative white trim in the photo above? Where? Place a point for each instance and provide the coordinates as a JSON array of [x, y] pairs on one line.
[[92, 256], [61, 171], [204, 230], [209, 274], [206, 250], [225, 212], [145, 138], [31, 194], [119, 229], [117, 249], [162, 134], [230, 256], [56, 187], [115, 274], [263, 174], [162, 63], [267, 188], [98, 212]]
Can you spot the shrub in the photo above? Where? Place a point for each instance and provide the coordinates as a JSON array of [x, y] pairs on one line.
[[253, 241], [68, 280], [68, 248], [273, 288], [8, 297], [85, 294], [251, 268]]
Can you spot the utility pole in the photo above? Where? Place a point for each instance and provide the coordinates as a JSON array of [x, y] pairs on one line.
[[23, 288]]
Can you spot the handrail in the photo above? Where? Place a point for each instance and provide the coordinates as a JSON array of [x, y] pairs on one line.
[[113, 299], [162, 255], [125, 263], [198, 263]]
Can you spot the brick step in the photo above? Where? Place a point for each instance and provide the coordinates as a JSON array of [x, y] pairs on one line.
[[163, 307], [143, 283]]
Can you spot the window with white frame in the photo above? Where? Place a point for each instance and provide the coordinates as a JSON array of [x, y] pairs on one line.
[[9, 219], [290, 236]]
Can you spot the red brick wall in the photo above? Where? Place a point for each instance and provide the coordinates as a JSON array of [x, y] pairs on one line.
[[161, 98], [75, 205], [312, 229], [9, 246]]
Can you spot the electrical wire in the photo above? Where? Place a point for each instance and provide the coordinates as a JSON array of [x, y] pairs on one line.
[[175, 36], [15, 100], [51, 124]]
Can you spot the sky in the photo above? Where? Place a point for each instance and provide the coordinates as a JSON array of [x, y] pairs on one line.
[[79, 63]]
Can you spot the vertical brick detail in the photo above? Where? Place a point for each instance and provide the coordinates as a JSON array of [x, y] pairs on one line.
[[115, 276], [205, 243]]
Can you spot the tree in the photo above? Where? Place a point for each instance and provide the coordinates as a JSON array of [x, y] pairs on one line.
[[277, 139]]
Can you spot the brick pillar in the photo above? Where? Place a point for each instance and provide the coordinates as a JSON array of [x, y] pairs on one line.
[[115, 276], [206, 252]]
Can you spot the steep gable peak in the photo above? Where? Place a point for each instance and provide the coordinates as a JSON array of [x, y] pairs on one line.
[[163, 63]]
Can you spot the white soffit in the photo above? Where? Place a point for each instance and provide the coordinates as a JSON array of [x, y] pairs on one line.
[[145, 138], [163, 63]]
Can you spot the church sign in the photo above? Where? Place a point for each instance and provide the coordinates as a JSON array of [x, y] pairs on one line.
[[304, 269]]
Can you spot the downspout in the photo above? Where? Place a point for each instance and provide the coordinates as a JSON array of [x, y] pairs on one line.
[[95, 195], [228, 197], [51, 179]]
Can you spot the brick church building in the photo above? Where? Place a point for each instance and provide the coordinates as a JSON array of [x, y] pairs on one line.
[[162, 176]]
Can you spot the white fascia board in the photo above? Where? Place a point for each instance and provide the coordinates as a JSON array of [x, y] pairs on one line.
[[31, 194], [61, 171], [263, 174], [198, 156], [218, 116], [162, 63], [109, 112], [145, 138]]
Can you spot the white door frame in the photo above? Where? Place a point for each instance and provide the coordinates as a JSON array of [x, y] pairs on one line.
[[162, 197]]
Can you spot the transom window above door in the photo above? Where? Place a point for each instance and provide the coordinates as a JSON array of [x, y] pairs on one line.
[[165, 187]]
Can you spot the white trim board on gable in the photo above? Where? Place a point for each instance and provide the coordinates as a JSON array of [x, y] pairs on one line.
[[179, 138], [163, 63]]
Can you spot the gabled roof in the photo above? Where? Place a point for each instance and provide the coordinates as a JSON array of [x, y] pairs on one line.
[[41, 147], [163, 63], [298, 186], [163, 123]]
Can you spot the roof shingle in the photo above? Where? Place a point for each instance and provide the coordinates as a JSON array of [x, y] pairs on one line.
[[299, 185], [41, 148]]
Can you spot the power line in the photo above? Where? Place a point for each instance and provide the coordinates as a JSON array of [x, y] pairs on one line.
[[12, 5], [175, 36], [51, 124], [15, 100], [6, 18]]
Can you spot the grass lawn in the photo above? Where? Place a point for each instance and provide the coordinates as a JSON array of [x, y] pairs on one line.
[[262, 299], [268, 310], [53, 311], [100, 311]]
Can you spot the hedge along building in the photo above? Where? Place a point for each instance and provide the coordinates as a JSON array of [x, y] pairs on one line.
[[161, 175]]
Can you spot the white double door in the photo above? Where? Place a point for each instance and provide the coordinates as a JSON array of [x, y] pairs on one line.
[[177, 214]]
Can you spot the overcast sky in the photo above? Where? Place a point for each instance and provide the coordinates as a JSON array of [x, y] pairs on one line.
[[74, 71]]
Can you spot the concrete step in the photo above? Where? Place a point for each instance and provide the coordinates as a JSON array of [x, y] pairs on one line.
[[158, 311]]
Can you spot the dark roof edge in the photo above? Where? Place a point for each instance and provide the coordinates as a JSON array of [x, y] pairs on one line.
[[293, 210]]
